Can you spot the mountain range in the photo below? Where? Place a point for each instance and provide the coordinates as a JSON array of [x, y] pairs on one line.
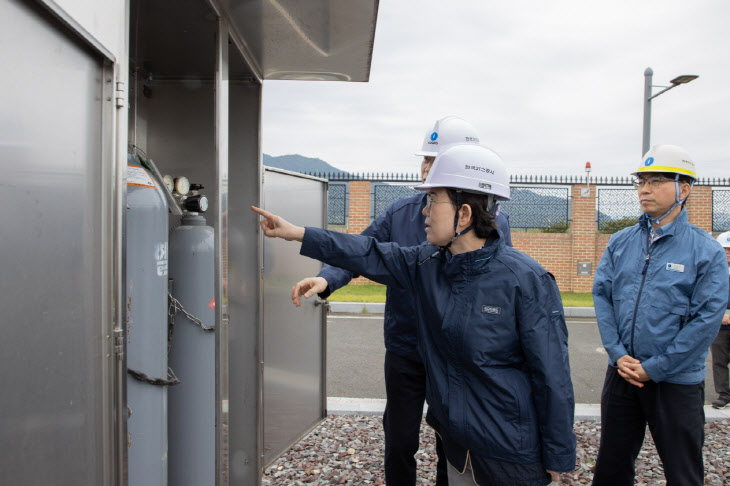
[[300, 163]]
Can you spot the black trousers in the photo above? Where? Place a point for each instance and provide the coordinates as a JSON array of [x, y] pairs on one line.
[[676, 419], [405, 387]]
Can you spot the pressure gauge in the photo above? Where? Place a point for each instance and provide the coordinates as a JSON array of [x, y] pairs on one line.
[[182, 185], [169, 182]]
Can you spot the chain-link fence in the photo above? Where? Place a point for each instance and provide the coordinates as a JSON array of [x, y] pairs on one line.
[[545, 208], [720, 210], [385, 194], [617, 209], [337, 203]]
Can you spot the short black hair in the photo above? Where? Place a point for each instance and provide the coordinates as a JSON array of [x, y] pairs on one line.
[[483, 221]]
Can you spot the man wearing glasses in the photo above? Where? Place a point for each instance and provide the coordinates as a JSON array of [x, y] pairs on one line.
[[659, 294], [403, 222]]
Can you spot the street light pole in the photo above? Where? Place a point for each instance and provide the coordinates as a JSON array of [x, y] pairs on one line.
[[648, 76]]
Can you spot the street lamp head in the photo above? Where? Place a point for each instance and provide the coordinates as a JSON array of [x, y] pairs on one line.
[[684, 79], [648, 76]]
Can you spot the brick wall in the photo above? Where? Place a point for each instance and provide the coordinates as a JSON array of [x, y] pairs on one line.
[[557, 252], [359, 213], [551, 250], [699, 207], [583, 232]]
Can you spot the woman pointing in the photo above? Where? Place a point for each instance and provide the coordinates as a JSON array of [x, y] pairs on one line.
[[491, 328]]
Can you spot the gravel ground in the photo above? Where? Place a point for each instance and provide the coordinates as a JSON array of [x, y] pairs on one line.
[[349, 450]]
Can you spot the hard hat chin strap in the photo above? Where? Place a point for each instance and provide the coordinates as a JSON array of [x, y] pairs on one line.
[[465, 230], [677, 201], [492, 208], [456, 224]]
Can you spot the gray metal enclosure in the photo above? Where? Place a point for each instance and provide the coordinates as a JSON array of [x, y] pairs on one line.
[[180, 81], [55, 246]]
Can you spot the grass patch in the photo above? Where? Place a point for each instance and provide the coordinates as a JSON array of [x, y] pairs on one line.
[[359, 293], [571, 299], [376, 293]]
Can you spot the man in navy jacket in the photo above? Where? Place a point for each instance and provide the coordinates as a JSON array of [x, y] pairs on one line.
[[403, 222]]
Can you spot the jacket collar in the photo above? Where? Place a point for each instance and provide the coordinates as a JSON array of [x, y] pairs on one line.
[[679, 223], [465, 265]]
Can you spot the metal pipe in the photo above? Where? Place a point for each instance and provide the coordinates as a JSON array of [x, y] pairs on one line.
[[222, 104]]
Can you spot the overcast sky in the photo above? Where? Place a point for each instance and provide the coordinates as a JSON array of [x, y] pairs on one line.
[[549, 85]]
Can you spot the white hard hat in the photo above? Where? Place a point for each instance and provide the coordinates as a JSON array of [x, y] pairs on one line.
[[668, 158], [470, 168], [447, 131], [724, 239]]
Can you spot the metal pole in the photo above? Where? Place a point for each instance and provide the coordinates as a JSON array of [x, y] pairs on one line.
[[648, 75]]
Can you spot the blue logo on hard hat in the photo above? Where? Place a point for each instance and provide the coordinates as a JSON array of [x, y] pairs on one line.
[[434, 136], [649, 161]]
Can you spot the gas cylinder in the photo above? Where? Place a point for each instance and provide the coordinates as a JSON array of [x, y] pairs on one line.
[[191, 407], [146, 326]]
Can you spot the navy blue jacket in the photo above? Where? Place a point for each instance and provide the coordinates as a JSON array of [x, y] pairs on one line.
[[493, 340], [402, 222], [665, 309]]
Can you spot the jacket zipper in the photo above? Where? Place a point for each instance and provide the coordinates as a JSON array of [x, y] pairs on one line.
[[641, 288]]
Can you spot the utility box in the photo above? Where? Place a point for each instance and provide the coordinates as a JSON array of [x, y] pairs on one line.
[[585, 268]]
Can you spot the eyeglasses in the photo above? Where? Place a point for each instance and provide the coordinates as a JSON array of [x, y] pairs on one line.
[[430, 201], [653, 181]]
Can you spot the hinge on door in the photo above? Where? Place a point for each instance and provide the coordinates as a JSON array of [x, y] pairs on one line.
[[325, 303], [118, 344], [121, 95]]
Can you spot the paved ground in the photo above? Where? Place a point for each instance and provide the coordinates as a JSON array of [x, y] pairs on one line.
[[355, 354], [347, 447]]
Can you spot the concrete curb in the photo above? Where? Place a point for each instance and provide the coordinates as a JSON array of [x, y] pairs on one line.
[[376, 406], [578, 312], [375, 308], [357, 308]]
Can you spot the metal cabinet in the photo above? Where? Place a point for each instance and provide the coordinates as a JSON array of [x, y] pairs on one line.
[[85, 80]]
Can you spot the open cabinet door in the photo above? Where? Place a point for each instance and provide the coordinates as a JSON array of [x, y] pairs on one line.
[[294, 338]]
